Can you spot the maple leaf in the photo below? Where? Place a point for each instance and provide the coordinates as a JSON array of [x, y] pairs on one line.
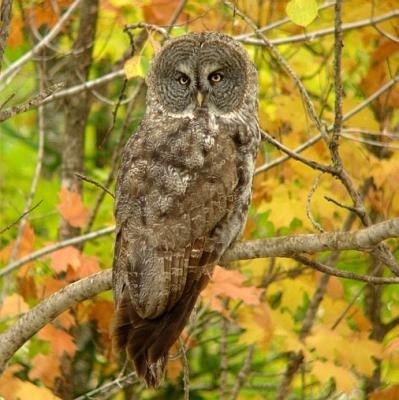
[[66, 319], [26, 245], [27, 390], [160, 12], [228, 284], [45, 368], [60, 340], [344, 379], [258, 325], [51, 285], [9, 383], [12, 306], [102, 312], [72, 209], [390, 393], [60, 259]]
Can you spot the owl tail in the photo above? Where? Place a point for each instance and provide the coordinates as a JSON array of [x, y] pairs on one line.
[[148, 341]]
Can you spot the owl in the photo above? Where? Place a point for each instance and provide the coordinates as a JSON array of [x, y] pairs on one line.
[[182, 192]]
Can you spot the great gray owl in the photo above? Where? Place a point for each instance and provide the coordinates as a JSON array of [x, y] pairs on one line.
[[183, 190]]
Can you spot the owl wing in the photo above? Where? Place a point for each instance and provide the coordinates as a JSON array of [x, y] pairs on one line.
[[176, 212]]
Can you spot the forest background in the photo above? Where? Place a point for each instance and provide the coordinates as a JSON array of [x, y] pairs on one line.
[[307, 306]]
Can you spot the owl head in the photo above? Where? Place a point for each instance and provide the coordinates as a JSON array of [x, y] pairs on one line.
[[205, 70]]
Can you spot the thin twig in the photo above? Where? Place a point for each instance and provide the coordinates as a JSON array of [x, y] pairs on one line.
[[95, 183], [283, 62], [308, 202], [347, 116], [186, 371], [310, 36], [35, 180], [244, 371], [33, 102], [118, 383], [223, 357], [294, 155], [19, 218], [54, 247], [376, 280], [339, 204], [336, 131], [43, 43], [276, 24]]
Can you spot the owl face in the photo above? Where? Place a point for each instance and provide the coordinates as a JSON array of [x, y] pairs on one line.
[[200, 71]]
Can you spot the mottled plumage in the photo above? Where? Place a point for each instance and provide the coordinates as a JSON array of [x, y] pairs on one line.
[[183, 190]]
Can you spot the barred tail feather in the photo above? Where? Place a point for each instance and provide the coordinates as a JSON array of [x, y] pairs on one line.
[[147, 341]]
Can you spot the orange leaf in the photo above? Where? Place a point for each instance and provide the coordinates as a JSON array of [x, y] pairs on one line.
[[390, 393], [26, 244], [66, 319], [60, 340], [160, 12], [102, 312], [229, 284], [45, 368], [9, 383], [72, 209], [50, 286], [88, 265], [13, 305], [60, 259]]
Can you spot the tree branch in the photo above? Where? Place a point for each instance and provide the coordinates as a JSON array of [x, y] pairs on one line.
[[289, 246], [43, 43]]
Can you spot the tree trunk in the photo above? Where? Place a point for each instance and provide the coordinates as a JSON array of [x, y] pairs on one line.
[[77, 107]]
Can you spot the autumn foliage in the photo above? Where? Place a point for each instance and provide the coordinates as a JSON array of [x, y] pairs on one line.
[[257, 318]]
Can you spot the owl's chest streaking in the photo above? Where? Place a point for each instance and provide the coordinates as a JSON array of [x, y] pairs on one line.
[[178, 177]]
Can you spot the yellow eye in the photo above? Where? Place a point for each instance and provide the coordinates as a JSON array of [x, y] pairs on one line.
[[184, 80], [216, 77]]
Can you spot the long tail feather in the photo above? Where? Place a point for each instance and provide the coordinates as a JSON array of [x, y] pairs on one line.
[[147, 341]]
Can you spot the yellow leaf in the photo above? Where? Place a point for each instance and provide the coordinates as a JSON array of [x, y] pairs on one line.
[[258, 325], [12, 306], [302, 12], [344, 379], [133, 68], [355, 351], [29, 391]]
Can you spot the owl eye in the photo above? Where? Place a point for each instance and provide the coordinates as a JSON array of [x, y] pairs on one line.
[[215, 77], [184, 80]]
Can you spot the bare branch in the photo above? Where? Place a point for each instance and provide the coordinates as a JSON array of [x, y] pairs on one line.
[[48, 309], [336, 131], [310, 36], [317, 137], [283, 62], [50, 249], [95, 183], [20, 217], [364, 239], [33, 102], [43, 43]]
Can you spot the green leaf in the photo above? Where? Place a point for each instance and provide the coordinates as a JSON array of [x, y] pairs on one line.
[[302, 12]]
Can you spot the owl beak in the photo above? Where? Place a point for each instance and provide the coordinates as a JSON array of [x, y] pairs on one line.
[[200, 98]]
